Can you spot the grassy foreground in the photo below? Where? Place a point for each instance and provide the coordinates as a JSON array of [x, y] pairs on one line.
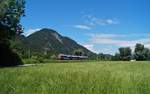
[[77, 78]]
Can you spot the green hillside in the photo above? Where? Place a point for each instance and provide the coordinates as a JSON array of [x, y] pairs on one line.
[[48, 41]]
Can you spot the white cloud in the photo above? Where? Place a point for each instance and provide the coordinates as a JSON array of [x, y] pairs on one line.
[[147, 45], [111, 21], [90, 22], [108, 36], [89, 47], [106, 50], [30, 31], [109, 43], [116, 40], [84, 27], [100, 21], [104, 22]]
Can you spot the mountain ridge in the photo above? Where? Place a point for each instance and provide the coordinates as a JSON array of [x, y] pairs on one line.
[[47, 40]]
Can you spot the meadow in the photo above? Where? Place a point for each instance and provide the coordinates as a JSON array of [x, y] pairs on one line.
[[100, 77]]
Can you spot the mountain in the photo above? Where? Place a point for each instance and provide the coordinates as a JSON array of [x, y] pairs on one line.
[[47, 40]]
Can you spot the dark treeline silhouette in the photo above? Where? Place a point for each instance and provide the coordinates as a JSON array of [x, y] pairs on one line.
[[10, 14]]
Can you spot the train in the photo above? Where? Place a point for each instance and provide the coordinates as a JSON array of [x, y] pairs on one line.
[[71, 57]]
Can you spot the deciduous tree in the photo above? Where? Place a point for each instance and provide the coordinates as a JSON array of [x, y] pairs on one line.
[[125, 53], [11, 12]]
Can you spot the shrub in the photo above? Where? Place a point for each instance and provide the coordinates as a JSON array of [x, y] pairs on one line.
[[8, 57]]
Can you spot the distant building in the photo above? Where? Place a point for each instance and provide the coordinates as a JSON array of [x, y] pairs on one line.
[[71, 57]]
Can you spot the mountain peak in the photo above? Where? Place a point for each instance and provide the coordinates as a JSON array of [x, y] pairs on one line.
[[48, 30], [50, 40]]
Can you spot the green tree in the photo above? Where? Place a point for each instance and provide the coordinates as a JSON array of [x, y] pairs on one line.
[[10, 13], [138, 52], [78, 52], [105, 57], [146, 53], [125, 53], [51, 55], [141, 53], [116, 57], [101, 56]]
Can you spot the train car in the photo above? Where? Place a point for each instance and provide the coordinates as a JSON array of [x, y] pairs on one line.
[[71, 57]]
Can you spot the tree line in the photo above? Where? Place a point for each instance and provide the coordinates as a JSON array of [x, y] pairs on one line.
[[140, 53]]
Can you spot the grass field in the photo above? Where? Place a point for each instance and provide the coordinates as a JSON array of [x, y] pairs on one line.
[[77, 78]]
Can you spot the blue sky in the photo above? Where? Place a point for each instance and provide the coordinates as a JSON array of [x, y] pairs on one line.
[[99, 25]]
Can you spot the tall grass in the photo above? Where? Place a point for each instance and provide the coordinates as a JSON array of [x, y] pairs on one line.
[[77, 78]]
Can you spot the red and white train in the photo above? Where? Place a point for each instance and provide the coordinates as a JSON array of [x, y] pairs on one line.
[[71, 57]]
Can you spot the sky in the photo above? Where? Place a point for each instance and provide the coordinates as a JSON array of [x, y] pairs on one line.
[[102, 26]]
